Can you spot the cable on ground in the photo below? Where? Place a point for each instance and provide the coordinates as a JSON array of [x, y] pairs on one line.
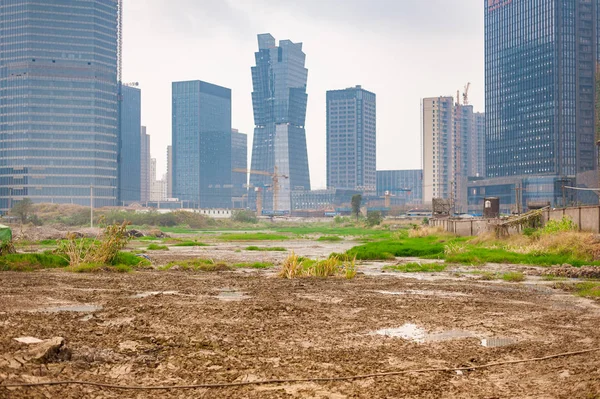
[[294, 380]]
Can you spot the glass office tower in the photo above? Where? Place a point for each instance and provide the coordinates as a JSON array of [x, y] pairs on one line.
[[279, 99], [59, 112], [540, 76], [130, 144], [202, 144]]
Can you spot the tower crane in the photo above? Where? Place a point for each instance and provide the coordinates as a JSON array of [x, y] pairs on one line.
[[466, 94], [275, 176]]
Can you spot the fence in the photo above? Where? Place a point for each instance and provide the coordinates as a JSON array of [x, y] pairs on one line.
[[586, 218]]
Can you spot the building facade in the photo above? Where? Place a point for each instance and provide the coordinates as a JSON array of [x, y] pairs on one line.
[[540, 93], [169, 176], [145, 166], [239, 160], [279, 99], [59, 110], [202, 144], [130, 144], [352, 139], [405, 185]]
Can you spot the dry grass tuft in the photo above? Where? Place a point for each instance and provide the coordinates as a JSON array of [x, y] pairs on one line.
[[292, 267], [425, 231]]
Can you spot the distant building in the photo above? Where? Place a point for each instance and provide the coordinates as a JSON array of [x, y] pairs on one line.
[[59, 101], [405, 185], [279, 99], [145, 165], [202, 144], [130, 144], [352, 139], [323, 200], [158, 188], [453, 143], [169, 176], [541, 87], [239, 159]]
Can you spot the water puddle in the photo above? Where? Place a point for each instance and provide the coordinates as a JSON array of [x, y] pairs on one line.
[[497, 342], [414, 333], [74, 308], [229, 295], [446, 294], [153, 293]]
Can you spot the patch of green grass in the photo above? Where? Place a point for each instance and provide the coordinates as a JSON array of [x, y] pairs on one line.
[[477, 256], [266, 249], [205, 265], [31, 262], [146, 238], [336, 230], [330, 239], [513, 277], [254, 237], [588, 289], [47, 242], [552, 277], [97, 268], [430, 247], [130, 259], [414, 267], [255, 265], [156, 247], [191, 244]]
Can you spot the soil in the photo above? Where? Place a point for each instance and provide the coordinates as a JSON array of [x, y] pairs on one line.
[[172, 328]]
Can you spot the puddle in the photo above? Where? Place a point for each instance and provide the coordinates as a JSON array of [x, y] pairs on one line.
[[497, 342], [414, 333], [231, 295], [74, 308], [153, 293], [447, 294]]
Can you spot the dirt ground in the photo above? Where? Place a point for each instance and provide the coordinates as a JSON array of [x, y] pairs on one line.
[[173, 328]]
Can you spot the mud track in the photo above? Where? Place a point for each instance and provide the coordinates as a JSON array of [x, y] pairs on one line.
[[250, 325]]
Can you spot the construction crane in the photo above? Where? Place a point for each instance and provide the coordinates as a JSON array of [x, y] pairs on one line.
[[275, 176], [388, 196], [466, 94]]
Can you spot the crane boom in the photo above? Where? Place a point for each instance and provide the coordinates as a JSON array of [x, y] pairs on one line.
[[466, 94], [274, 176]]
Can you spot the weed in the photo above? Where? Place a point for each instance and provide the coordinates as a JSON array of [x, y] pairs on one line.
[[98, 267], [266, 249], [256, 265], [102, 250], [205, 265], [513, 277], [253, 237], [552, 277], [414, 267], [330, 239], [157, 247], [292, 267], [588, 289], [191, 244], [559, 226], [130, 259], [349, 269], [31, 262], [324, 268], [488, 276], [454, 248]]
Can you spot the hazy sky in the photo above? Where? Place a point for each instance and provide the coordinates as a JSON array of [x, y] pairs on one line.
[[403, 50]]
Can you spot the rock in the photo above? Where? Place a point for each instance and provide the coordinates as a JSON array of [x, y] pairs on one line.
[[28, 340], [50, 351], [135, 233]]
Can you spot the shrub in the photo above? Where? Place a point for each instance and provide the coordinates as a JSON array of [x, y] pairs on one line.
[[102, 250], [374, 218], [244, 216], [558, 226]]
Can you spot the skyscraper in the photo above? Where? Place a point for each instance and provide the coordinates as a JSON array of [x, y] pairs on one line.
[[239, 159], [130, 145], [351, 139], [202, 144], [453, 142], [540, 59], [406, 185], [59, 112], [145, 165], [170, 172], [279, 99]]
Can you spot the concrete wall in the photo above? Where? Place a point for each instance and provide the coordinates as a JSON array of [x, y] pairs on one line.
[[586, 218]]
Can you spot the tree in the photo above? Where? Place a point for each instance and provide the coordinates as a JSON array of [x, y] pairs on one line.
[[22, 209], [356, 202], [374, 218]]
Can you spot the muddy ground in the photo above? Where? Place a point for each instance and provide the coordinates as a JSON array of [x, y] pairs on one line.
[[250, 325]]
